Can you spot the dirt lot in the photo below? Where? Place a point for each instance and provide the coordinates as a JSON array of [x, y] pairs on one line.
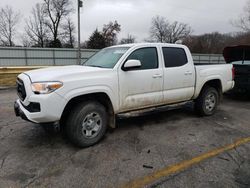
[[139, 146]]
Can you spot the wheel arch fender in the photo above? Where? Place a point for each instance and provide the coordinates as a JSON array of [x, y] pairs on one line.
[[102, 94], [212, 81]]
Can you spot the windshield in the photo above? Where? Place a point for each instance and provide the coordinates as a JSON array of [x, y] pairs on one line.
[[106, 58], [247, 62]]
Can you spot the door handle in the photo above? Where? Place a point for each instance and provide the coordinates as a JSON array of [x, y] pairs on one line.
[[188, 73], [157, 76]]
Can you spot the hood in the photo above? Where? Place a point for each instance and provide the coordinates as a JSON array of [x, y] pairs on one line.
[[236, 53], [61, 72]]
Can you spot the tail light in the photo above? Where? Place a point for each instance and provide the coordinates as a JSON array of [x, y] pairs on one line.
[[233, 73]]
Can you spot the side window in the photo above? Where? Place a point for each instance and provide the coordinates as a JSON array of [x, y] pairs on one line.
[[147, 56], [174, 57]]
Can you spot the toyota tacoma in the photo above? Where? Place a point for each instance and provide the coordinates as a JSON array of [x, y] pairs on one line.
[[86, 99]]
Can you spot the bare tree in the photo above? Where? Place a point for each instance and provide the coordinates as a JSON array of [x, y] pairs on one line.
[[69, 33], [243, 22], [163, 31], [26, 42], [110, 32], [212, 43], [128, 40], [159, 29], [8, 22], [36, 27], [178, 31], [56, 11]]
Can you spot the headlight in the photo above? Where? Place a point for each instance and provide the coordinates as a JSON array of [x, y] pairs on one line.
[[45, 87]]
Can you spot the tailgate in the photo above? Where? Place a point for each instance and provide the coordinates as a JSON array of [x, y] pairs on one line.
[[236, 53]]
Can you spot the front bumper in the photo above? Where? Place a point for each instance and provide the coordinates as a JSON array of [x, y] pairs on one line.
[[51, 105], [19, 112], [39, 108]]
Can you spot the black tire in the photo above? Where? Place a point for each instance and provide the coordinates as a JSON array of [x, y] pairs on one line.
[[203, 107], [51, 128], [78, 123]]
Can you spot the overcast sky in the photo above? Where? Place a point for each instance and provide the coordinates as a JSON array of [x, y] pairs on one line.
[[135, 15]]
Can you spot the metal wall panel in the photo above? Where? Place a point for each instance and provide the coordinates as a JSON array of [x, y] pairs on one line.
[[54, 56]]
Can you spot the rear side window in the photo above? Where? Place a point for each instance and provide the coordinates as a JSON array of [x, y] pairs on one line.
[[147, 56], [174, 57]]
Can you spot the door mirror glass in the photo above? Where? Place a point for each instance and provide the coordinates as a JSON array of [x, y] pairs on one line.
[[131, 64]]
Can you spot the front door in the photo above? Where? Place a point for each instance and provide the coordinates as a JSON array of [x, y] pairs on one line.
[[142, 87]]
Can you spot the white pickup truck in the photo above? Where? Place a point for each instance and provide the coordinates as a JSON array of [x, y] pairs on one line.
[[86, 99]]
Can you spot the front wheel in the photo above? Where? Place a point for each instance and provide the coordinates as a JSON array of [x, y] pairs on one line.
[[86, 124], [206, 104]]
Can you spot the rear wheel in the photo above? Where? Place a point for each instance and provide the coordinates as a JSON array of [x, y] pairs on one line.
[[86, 124], [206, 104]]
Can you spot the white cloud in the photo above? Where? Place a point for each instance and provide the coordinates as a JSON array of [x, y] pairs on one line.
[[135, 15]]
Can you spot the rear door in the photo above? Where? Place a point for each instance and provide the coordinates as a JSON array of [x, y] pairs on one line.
[[179, 75], [142, 87]]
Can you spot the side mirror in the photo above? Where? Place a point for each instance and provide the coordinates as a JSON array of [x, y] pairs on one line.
[[131, 64]]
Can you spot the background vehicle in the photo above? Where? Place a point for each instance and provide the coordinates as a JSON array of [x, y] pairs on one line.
[[239, 56], [119, 79]]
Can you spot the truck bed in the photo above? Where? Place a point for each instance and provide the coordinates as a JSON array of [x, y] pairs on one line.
[[210, 71]]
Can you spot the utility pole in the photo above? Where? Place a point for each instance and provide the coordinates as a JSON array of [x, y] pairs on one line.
[[79, 4]]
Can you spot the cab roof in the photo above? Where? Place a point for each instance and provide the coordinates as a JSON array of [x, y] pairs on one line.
[[148, 44]]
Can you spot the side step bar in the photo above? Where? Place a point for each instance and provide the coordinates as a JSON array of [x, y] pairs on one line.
[[154, 109]]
